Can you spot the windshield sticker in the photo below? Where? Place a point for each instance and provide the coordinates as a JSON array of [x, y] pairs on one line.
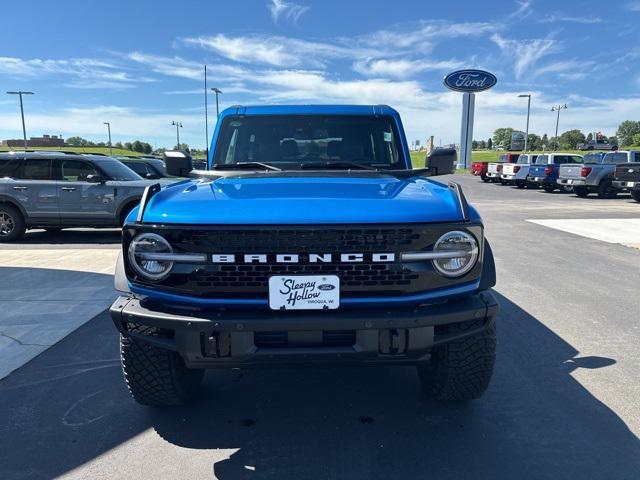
[[387, 137]]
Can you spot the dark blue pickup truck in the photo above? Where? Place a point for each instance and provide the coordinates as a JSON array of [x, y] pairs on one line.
[[309, 240], [546, 167]]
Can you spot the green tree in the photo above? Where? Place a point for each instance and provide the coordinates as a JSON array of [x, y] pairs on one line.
[[502, 136], [118, 145], [483, 145], [137, 146], [146, 148], [489, 144], [183, 147], [571, 138], [544, 141], [626, 131], [589, 137], [76, 141], [636, 139], [534, 142], [128, 146], [474, 145]]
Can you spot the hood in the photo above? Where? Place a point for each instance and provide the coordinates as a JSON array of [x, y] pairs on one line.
[[281, 199]]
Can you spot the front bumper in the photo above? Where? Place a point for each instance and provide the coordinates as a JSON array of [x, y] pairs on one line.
[[210, 338], [493, 174], [542, 180]]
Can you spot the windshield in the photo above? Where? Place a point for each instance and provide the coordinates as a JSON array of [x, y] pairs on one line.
[[291, 142], [591, 158], [615, 158], [527, 158], [117, 171], [541, 160]]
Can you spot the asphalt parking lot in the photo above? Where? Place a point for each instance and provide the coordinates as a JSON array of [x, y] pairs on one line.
[[563, 402]]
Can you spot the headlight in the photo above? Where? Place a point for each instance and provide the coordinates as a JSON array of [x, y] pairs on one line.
[[457, 252], [148, 256]]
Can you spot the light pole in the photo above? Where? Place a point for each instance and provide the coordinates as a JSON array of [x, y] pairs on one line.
[[24, 130], [108, 124], [526, 135], [217, 92], [206, 115], [557, 109], [178, 126]]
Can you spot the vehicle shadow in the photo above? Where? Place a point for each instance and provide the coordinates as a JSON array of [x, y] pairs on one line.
[[68, 412], [535, 421], [70, 237]]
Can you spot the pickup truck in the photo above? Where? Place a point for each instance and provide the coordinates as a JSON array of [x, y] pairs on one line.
[[627, 175], [309, 240], [479, 169], [516, 173], [546, 168], [598, 144], [494, 169], [594, 176]]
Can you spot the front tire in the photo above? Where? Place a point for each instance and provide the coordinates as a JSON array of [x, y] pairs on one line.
[[156, 376], [461, 370], [521, 183], [485, 179], [12, 224], [549, 188], [635, 194]]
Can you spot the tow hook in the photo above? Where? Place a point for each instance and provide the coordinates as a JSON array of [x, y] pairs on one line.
[[393, 341]]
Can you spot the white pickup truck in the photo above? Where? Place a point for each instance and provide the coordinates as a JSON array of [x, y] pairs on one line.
[[516, 173], [494, 170]]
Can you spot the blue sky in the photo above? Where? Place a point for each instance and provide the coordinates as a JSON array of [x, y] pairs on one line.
[[138, 64]]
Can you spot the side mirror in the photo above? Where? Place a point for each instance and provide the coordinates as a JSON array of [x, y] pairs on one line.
[[96, 179], [442, 161], [178, 164]]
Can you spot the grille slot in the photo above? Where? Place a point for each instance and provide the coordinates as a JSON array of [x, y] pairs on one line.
[[326, 338]]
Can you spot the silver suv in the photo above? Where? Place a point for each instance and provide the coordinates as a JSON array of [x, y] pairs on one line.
[[54, 190]]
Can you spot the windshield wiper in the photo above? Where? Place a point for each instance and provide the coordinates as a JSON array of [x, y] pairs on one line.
[[337, 166], [239, 165]]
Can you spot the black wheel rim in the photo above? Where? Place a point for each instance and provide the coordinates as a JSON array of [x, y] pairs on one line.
[[6, 224]]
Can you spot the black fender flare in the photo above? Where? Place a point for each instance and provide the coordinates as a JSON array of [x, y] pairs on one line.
[[129, 202], [13, 203], [120, 281], [488, 275]]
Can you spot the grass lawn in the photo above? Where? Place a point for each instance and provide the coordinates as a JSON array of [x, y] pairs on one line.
[[103, 150]]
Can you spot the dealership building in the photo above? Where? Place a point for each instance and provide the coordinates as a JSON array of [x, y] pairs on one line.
[[36, 142]]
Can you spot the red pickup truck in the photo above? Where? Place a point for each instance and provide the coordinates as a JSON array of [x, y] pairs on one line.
[[479, 169]]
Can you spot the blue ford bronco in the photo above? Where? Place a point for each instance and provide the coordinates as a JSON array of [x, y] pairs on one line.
[[309, 240]]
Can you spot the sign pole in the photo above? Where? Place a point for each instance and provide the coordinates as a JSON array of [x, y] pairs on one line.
[[466, 130]]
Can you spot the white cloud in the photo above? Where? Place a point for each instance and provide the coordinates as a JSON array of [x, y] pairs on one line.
[[86, 72], [289, 10], [523, 11], [178, 67], [633, 6], [525, 53], [402, 68], [553, 18]]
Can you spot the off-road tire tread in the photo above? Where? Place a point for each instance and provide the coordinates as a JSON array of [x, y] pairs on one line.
[[461, 370], [635, 194], [156, 376]]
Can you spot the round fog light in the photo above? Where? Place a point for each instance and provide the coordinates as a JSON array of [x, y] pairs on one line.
[[458, 253], [146, 253]]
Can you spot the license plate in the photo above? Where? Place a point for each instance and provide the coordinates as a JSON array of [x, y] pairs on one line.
[[304, 292], [569, 182]]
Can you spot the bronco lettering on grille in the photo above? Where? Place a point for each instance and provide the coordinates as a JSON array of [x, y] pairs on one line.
[[307, 258]]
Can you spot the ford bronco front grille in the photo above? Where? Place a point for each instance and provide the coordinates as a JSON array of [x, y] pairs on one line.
[[367, 278]]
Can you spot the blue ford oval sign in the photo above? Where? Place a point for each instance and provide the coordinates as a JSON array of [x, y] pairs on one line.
[[469, 81]]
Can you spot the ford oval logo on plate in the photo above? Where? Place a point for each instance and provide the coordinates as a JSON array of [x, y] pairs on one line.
[[469, 81], [325, 287]]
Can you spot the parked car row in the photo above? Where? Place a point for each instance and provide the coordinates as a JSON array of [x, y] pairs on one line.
[[603, 173], [54, 190]]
